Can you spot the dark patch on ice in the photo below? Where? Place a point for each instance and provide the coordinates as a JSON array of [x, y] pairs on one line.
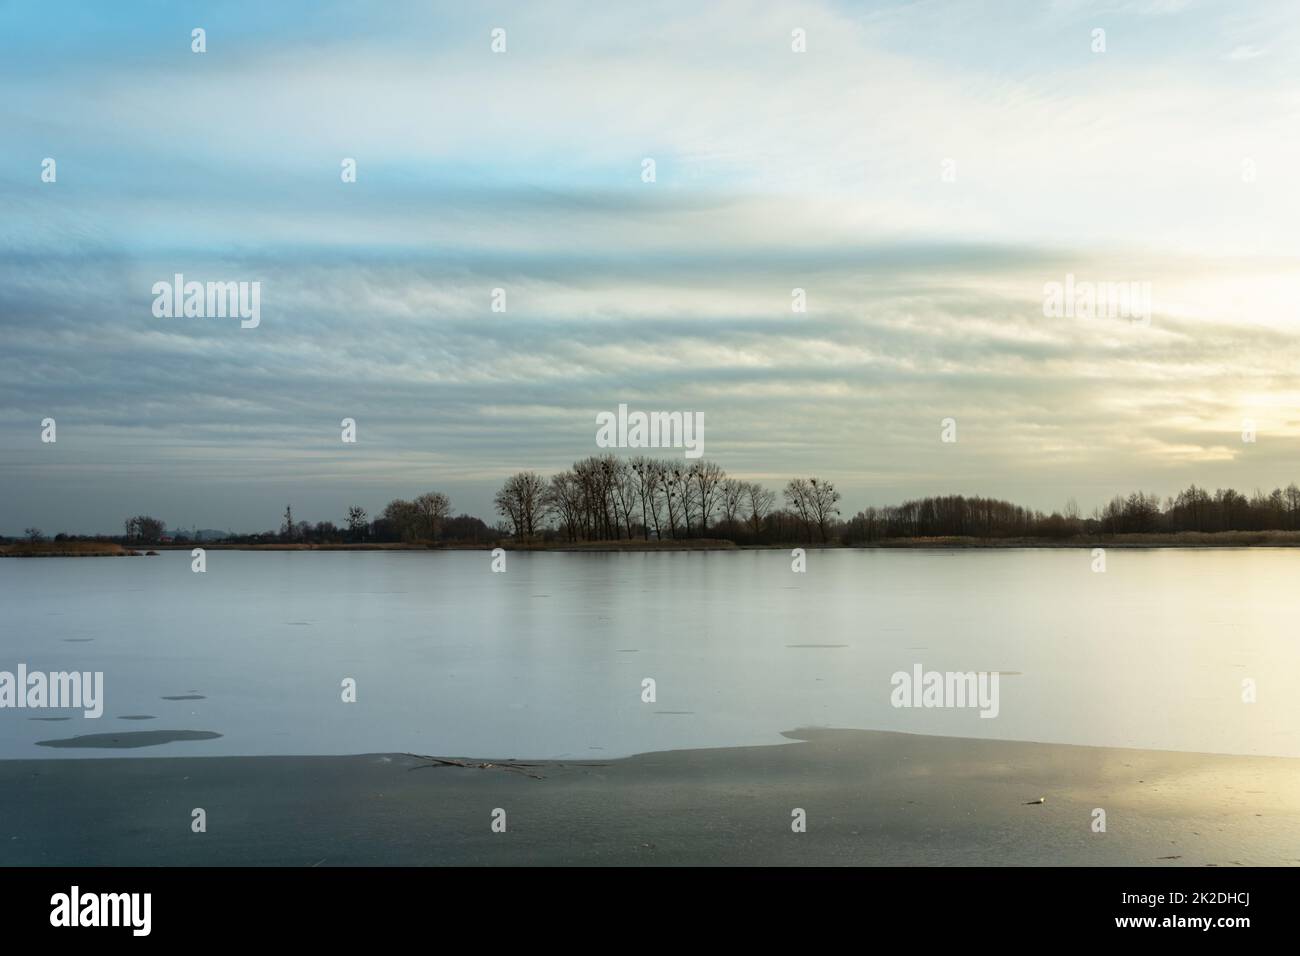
[[129, 740]]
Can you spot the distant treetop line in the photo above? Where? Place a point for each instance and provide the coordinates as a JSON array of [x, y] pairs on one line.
[[610, 498]]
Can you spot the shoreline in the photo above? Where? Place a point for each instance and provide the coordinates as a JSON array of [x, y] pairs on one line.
[[870, 798], [1176, 541]]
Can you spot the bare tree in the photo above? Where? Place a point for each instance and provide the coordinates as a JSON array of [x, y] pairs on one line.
[[654, 479], [522, 500], [661, 500], [507, 505], [731, 494], [357, 522], [564, 499], [623, 489], [707, 476], [798, 495], [402, 518], [683, 495], [593, 475], [760, 502], [638, 478], [668, 492], [822, 504], [433, 508]]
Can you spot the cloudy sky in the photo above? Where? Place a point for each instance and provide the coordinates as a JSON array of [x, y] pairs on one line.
[[922, 171]]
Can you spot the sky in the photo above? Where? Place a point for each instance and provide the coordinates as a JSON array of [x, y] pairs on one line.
[[921, 170]]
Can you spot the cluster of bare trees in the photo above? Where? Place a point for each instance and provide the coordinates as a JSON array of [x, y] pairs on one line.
[[609, 498], [144, 529], [944, 516], [814, 502], [427, 519], [418, 520], [522, 501], [1195, 509]]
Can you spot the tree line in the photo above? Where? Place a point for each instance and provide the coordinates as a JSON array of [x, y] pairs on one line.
[[608, 498], [427, 518], [612, 498], [1195, 509], [598, 499]]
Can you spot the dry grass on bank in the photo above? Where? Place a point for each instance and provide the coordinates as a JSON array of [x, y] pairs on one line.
[[65, 549]]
